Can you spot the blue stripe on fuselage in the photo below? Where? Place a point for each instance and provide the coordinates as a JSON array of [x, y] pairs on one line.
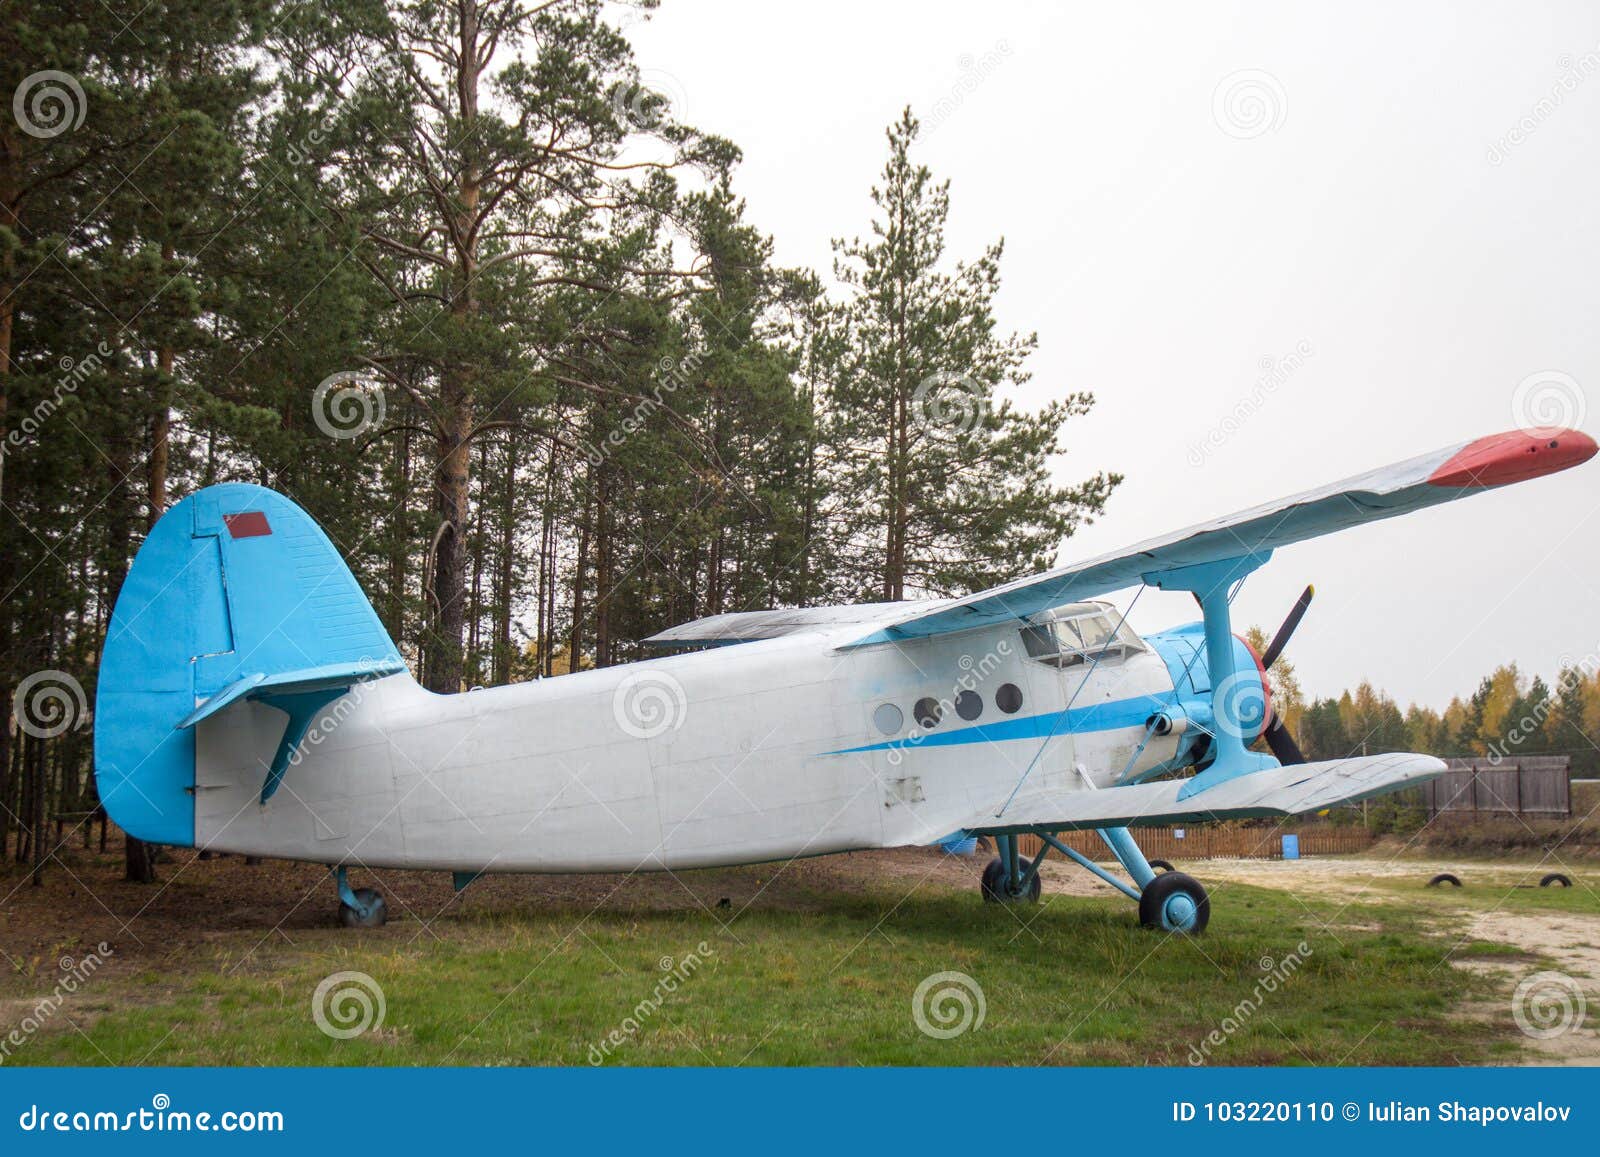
[[1111, 716]]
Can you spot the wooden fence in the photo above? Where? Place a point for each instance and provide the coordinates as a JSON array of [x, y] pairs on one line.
[[1536, 785], [1218, 842]]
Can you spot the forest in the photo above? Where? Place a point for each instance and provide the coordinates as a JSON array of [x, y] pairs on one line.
[[451, 276]]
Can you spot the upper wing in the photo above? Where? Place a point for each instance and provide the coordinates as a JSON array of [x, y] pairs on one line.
[[1442, 476], [1280, 791]]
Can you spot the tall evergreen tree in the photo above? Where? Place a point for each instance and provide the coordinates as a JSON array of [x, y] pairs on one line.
[[943, 485]]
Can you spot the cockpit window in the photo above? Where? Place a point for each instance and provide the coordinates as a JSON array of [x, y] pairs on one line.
[[1080, 635]]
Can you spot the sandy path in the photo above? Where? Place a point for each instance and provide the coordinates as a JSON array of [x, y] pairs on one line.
[[1569, 942]]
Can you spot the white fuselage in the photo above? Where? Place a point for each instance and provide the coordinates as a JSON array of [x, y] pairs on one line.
[[761, 751]]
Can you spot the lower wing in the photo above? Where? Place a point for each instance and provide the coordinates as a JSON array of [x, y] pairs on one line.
[[1283, 791]]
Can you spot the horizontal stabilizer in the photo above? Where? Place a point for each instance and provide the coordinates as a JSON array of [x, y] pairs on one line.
[[1281, 791], [330, 677]]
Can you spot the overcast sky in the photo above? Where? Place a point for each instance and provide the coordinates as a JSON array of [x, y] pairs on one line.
[[1408, 196]]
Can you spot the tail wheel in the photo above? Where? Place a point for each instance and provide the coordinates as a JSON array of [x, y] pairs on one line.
[[997, 885], [376, 914], [1175, 902]]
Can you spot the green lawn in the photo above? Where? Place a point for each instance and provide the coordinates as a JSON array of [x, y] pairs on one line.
[[826, 979]]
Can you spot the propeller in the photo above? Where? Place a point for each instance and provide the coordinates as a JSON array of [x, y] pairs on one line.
[[1276, 734]]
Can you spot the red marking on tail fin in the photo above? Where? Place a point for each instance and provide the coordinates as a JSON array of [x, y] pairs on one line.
[[247, 524], [1514, 456]]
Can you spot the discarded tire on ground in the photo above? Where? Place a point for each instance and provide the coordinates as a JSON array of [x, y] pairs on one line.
[[1162, 866], [1444, 878], [1556, 878]]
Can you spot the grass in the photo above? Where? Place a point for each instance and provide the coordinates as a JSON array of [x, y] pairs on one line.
[[828, 980]]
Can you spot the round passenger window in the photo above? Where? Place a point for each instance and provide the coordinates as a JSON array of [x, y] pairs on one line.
[[969, 705], [927, 712], [888, 718], [1008, 698]]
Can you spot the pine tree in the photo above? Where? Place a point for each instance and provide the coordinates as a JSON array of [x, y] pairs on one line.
[[943, 485]]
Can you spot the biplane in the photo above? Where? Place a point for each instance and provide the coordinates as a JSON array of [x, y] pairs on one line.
[[251, 701]]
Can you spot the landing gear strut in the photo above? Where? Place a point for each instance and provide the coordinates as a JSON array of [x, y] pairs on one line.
[[360, 908], [1171, 901], [1011, 878]]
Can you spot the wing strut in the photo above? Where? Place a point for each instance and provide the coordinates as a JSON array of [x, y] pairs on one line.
[[1209, 583]]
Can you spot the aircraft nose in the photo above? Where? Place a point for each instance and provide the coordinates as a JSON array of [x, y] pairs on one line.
[[1514, 456]]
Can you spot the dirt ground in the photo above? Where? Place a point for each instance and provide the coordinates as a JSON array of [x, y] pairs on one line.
[[203, 903], [1568, 942]]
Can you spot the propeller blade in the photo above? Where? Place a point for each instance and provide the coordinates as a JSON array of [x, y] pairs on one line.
[[1286, 632], [1282, 743]]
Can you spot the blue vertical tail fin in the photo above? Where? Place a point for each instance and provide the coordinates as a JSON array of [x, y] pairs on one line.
[[236, 593]]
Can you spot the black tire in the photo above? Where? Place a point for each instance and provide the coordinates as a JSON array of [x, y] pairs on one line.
[[1556, 878], [996, 890], [1444, 878], [1162, 866], [377, 911], [1160, 904]]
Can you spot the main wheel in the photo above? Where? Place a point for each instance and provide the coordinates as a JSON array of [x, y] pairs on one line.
[[1176, 903], [377, 911], [997, 887]]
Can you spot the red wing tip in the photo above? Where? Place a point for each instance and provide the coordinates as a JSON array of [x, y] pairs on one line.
[[1515, 456]]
